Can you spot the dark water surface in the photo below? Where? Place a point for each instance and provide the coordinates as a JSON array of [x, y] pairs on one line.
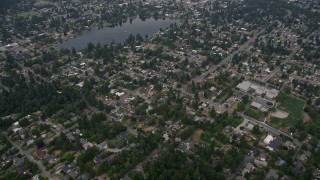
[[118, 33]]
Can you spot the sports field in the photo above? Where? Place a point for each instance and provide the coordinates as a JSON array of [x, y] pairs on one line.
[[293, 106]]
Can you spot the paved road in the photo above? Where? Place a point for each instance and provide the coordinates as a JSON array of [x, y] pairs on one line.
[[30, 158], [295, 50], [210, 102], [269, 128], [277, 69], [183, 89], [229, 58], [264, 125]]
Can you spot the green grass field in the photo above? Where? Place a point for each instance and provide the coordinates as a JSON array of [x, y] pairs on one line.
[[292, 105], [28, 14]]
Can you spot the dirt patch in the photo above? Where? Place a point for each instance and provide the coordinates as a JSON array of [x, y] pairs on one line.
[[148, 129], [233, 107], [203, 58], [196, 136], [306, 117], [77, 154], [56, 152], [280, 114]]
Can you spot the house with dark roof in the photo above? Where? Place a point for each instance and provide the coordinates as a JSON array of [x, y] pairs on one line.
[[70, 136], [66, 169], [74, 173], [120, 145], [41, 152], [184, 146], [17, 162], [123, 136], [274, 144], [298, 167], [98, 159]]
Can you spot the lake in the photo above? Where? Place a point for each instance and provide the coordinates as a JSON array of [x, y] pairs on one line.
[[117, 33]]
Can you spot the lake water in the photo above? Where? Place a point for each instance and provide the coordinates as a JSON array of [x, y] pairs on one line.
[[118, 33]]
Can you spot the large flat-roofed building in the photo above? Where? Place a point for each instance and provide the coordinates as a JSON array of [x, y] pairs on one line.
[[265, 103], [272, 94], [260, 90], [244, 86], [256, 105]]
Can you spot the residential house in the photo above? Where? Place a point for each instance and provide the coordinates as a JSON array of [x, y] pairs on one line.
[[17, 162], [260, 163], [274, 144], [272, 174], [98, 159], [87, 145], [66, 169], [70, 136], [289, 145]]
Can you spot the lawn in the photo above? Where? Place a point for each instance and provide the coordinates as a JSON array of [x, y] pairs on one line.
[[292, 105], [27, 14], [196, 136]]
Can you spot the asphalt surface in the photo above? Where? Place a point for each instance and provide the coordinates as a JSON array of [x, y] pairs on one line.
[[229, 58], [30, 158], [269, 128], [295, 50]]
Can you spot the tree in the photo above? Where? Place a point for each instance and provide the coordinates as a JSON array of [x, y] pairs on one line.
[[213, 113], [39, 143], [74, 52], [187, 132], [241, 106], [90, 47], [256, 130], [245, 99], [287, 90], [205, 94]]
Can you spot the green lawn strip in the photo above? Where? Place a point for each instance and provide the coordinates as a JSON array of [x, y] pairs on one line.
[[27, 14]]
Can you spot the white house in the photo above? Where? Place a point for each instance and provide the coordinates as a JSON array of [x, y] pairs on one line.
[[268, 139]]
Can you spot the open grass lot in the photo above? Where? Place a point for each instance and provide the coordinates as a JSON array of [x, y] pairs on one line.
[[292, 105], [28, 14], [196, 137]]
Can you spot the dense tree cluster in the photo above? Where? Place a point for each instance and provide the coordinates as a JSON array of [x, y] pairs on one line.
[[6, 4], [98, 129], [48, 97], [85, 161], [126, 159], [175, 165], [62, 143]]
